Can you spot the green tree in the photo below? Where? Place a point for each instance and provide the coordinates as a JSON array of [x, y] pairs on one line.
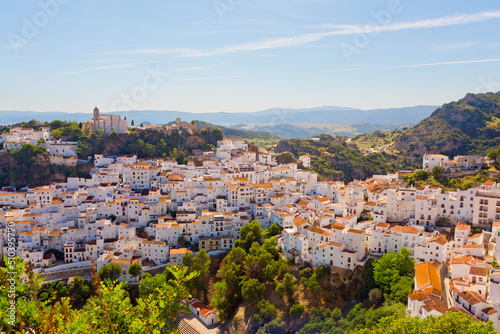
[[451, 322], [57, 134], [132, 123], [285, 158], [437, 170], [273, 230], [135, 270], [288, 285], [422, 175], [113, 135], [251, 233], [266, 311], [391, 268], [182, 241], [221, 301], [375, 295], [252, 290], [275, 326], [201, 264], [111, 271], [401, 289], [56, 125], [296, 311]]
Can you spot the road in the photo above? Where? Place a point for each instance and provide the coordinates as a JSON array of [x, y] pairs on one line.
[[445, 286]]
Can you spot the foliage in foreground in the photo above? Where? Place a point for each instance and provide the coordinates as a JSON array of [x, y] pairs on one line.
[[389, 318], [110, 310]]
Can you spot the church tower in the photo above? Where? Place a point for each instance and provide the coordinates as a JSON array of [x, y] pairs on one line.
[[96, 119]]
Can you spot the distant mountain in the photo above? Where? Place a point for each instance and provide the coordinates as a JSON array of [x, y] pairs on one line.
[[244, 134], [288, 131], [269, 117], [468, 126]]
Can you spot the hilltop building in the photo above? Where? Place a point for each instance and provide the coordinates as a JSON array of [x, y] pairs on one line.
[[107, 123]]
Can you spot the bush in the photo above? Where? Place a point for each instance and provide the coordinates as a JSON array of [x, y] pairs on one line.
[[375, 295], [296, 311]]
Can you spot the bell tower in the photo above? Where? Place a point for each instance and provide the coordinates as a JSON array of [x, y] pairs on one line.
[[96, 119]]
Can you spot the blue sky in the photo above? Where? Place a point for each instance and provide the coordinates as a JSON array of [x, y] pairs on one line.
[[244, 55]]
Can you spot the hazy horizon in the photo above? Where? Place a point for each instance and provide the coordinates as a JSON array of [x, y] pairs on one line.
[[245, 56]]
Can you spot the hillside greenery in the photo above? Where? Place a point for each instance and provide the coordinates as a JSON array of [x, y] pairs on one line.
[[254, 275], [377, 138], [108, 307], [468, 126], [26, 167], [446, 183], [261, 138], [335, 159]]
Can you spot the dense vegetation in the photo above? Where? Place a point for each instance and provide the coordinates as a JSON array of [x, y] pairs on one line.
[[468, 126], [376, 139], [108, 307], [389, 318], [21, 167], [261, 138], [335, 159], [254, 276], [436, 177], [253, 273]]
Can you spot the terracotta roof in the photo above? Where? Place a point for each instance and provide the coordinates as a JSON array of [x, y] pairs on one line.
[[405, 229], [353, 230], [472, 297], [335, 243], [434, 303], [489, 311], [419, 296], [478, 271], [205, 311], [174, 251], [428, 278], [462, 227], [440, 240]]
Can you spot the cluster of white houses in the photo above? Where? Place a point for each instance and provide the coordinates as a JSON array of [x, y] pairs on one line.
[[16, 137], [137, 211], [471, 285], [58, 152], [458, 164]]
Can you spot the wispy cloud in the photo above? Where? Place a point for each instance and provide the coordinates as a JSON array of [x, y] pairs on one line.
[[107, 67], [196, 68], [273, 43], [417, 65], [214, 78], [149, 52], [454, 46], [13, 46], [106, 60], [99, 68]]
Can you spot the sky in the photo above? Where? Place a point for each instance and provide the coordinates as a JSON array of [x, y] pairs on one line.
[[244, 55]]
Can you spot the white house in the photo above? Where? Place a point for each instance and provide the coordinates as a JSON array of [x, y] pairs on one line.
[[432, 160], [203, 312]]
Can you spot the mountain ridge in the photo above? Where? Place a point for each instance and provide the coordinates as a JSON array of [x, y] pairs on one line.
[[273, 116], [470, 125]]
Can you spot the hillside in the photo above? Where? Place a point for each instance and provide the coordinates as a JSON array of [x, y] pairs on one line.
[[288, 131], [30, 166], [260, 137], [335, 159], [468, 126]]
